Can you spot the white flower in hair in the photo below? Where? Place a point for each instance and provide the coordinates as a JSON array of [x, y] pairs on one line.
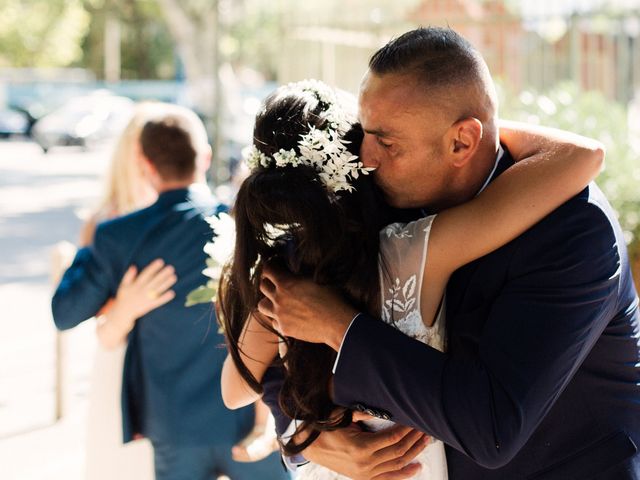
[[255, 158], [323, 149], [286, 157], [323, 91], [338, 119]]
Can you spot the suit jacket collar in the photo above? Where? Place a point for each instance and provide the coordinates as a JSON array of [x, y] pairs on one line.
[[458, 284], [194, 191], [504, 162]]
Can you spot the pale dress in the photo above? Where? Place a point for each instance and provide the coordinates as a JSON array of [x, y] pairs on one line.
[[404, 249], [107, 458]]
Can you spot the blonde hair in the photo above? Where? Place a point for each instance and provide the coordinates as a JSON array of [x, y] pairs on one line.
[[126, 188]]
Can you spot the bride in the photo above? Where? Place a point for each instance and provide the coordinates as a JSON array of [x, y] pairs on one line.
[[309, 206]]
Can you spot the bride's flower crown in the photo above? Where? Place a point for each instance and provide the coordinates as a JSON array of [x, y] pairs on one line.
[[325, 150]]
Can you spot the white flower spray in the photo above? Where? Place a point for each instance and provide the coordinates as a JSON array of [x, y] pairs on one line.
[[220, 251], [325, 150]]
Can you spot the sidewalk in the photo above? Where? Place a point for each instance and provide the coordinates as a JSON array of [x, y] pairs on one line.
[[51, 453], [33, 445], [40, 197]]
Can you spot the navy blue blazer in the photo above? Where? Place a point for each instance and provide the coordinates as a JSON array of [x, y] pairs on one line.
[[541, 377], [171, 379]]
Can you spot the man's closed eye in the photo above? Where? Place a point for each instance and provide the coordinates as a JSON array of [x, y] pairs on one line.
[[383, 144]]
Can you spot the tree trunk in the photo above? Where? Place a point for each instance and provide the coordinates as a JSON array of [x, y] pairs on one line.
[[195, 45]]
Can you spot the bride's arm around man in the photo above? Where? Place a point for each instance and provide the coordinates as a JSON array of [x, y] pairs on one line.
[[540, 377]]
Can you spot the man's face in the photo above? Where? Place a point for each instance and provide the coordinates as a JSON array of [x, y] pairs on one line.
[[404, 140]]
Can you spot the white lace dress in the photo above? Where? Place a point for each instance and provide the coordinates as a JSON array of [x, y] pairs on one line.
[[404, 249]]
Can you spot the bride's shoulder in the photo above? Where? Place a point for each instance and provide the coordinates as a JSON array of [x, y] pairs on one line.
[[416, 229]]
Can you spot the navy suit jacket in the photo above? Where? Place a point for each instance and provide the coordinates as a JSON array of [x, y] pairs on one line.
[[541, 376], [171, 379]]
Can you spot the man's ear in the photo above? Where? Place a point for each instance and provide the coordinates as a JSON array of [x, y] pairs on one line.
[[465, 137], [149, 168], [150, 171], [205, 159]]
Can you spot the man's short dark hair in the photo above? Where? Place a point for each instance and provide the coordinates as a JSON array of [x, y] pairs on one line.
[[168, 144], [435, 56]]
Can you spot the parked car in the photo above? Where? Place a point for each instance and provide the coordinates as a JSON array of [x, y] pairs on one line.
[[84, 121], [13, 122]]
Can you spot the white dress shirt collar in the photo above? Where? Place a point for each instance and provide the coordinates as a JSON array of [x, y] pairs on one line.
[[493, 170]]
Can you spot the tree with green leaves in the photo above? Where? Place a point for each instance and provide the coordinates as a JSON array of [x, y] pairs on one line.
[[145, 44], [41, 33], [593, 115]]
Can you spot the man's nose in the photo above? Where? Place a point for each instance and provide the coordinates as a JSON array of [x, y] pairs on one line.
[[368, 152]]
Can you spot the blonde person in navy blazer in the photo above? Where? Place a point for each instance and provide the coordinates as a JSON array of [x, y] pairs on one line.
[[171, 377]]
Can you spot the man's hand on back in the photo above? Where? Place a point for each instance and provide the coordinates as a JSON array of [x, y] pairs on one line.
[[384, 455]]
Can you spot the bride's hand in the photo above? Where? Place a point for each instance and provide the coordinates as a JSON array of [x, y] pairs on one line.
[[137, 295], [259, 444]]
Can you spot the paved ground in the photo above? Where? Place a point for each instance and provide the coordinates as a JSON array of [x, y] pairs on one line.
[[42, 198]]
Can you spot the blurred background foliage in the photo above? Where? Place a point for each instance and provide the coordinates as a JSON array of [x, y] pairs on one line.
[[71, 33], [42, 34], [590, 114], [147, 49], [567, 63]]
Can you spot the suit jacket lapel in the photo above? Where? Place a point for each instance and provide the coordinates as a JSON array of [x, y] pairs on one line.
[[458, 286]]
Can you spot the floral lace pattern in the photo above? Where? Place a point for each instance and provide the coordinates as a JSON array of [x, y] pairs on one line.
[[404, 247], [396, 230]]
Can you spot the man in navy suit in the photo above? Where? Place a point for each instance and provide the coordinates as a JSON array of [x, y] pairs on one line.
[[541, 376], [171, 379]]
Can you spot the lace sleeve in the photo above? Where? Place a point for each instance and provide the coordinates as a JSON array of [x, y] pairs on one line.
[[403, 250]]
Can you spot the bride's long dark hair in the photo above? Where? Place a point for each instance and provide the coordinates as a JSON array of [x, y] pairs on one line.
[[287, 215]]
